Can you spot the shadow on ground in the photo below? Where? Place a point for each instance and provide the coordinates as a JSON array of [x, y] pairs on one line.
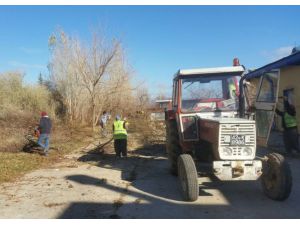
[[158, 195], [243, 200], [142, 164]]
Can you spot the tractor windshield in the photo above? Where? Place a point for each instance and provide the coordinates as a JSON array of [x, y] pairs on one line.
[[210, 93]]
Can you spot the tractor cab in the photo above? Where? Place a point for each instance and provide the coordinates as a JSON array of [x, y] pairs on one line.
[[204, 93], [207, 90]]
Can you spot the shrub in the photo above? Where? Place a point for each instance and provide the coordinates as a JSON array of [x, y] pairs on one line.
[[14, 94], [20, 106]]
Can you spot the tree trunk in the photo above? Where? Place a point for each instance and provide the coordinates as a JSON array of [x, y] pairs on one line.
[[93, 114]]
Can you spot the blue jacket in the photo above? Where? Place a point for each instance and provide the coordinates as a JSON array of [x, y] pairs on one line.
[[45, 125]]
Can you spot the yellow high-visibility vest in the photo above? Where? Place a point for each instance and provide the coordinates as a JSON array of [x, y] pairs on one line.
[[119, 130], [232, 90], [290, 121]]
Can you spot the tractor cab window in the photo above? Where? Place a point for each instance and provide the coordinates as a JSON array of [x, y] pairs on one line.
[[209, 93], [268, 88]]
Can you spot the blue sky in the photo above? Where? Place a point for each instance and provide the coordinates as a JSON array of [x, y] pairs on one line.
[[158, 40]]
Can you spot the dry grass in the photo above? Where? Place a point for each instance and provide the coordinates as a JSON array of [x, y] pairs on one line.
[[65, 139], [149, 132], [15, 163], [14, 125]]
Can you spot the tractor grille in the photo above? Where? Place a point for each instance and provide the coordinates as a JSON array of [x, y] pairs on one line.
[[237, 129]]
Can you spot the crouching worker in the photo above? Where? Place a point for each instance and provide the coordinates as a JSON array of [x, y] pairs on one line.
[[45, 130], [120, 137]]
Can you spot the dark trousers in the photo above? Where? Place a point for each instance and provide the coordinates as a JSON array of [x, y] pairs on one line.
[[290, 139], [120, 147]]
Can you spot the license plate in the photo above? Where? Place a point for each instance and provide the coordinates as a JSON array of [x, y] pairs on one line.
[[237, 140]]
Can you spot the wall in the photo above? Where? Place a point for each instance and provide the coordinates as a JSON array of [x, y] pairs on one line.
[[289, 78]]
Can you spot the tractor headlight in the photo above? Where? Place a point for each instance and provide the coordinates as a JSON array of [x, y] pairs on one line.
[[247, 151], [227, 151]]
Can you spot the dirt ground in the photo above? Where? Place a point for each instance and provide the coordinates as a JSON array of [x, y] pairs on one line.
[[90, 184]]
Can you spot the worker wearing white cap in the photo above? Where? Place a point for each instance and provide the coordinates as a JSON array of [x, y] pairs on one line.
[[120, 137]]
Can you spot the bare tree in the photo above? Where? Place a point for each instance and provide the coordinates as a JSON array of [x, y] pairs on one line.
[[91, 77], [94, 65], [63, 72]]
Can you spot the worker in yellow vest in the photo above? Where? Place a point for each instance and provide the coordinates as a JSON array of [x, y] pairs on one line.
[[290, 130], [232, 88], [120, 137]]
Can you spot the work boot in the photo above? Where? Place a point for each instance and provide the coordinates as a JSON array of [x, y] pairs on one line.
[[39, 148]]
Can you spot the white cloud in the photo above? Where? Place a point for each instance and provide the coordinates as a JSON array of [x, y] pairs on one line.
[[21, 65], [277, 53]]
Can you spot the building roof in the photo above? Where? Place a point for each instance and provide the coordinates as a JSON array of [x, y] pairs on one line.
[[164, 100], [291, 60], [215, 70]]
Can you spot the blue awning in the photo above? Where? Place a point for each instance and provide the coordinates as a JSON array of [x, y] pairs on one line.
[[291, 60]]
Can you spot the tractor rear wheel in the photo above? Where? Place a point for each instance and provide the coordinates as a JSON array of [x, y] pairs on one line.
[[277, 177], [172, 145], [188, 177]]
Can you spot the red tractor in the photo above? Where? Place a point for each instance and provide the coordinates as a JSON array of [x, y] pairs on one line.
[[204, 127]]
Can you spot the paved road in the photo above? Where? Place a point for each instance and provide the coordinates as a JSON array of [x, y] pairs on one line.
[[98, 186]]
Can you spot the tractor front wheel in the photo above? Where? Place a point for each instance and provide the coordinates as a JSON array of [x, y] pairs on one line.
[[188, 177], [277, 177]]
